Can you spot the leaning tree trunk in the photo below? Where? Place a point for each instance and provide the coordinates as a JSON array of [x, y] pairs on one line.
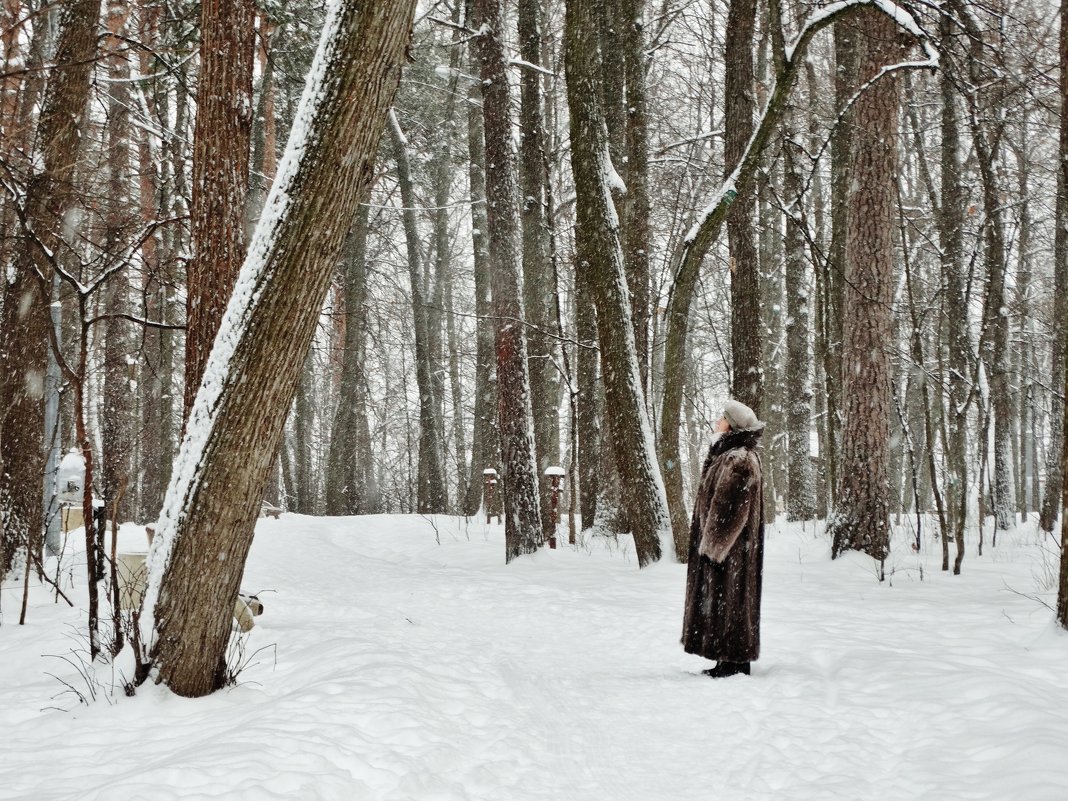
[[49, 195], [237, 420], [861, 517], [221, 139], [599, 252], [522, 518]]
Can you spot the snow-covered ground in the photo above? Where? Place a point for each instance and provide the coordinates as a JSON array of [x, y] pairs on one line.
[[397, 667]]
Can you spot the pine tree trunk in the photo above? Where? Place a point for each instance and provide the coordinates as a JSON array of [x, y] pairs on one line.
[[522, 518], [599, 251], [237, 421], [587, 360], [861, 518], [221, 140]]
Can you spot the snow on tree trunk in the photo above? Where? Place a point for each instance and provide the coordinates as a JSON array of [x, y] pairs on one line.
[[237, 421], [599, 252]]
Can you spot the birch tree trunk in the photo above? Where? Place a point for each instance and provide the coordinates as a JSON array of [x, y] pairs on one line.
[[237, 420]]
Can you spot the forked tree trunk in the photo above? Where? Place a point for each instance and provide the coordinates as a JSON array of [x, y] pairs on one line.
[[599, 252], [522, 518], [237, 420]]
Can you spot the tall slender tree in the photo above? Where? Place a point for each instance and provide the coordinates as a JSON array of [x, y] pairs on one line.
[[522, 518]]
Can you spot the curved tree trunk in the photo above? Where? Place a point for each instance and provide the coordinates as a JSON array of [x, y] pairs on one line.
[[237, 420]]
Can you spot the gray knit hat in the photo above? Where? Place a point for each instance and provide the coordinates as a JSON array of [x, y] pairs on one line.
[[741, 417]]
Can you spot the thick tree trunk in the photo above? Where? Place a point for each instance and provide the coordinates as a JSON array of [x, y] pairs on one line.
[[522, 518], [237, 421], [747, 375], [587, 415], [599, 251], [861, 517], [49, 195], [221, 139]]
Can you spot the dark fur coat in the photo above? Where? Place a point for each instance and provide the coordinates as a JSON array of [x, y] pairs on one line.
[[726, 557]]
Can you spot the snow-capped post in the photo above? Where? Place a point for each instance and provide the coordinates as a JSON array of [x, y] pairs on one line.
[[555, 474], [236, 423], [705, 231]]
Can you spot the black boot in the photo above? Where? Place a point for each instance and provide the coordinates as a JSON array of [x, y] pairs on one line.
[[724, 669]]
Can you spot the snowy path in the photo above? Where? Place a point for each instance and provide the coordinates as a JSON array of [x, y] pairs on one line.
[[409, 670]]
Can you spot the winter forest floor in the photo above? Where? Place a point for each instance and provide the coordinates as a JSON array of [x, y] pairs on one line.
[[395, 667]]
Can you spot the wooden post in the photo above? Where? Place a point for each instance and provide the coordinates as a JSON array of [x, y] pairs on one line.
[[555, 475], [490, 502]]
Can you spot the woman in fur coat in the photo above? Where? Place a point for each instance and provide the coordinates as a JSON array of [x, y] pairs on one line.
[[726, 557]]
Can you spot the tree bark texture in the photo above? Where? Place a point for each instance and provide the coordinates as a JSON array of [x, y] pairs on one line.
[[522, 517], [747, 375], [237, 422], [221, 141], [861, 517], [49, 195], [599, 252], [539, 286]]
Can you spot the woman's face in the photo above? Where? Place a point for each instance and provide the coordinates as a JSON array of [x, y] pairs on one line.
[[721, 426]]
